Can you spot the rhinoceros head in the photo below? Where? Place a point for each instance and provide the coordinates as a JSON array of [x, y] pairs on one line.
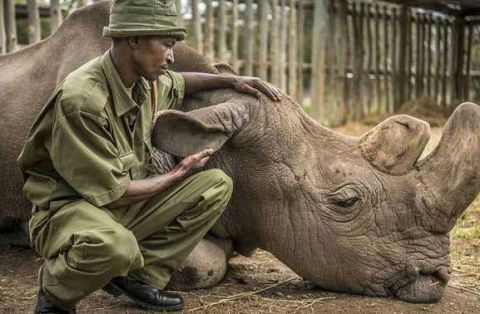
[[361, 215]]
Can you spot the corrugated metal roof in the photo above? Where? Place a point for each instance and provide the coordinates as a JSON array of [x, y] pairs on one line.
[[460, 8]]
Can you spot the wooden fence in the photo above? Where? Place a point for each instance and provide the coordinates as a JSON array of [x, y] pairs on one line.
[[343, 59], [387, 54], [350, 58]]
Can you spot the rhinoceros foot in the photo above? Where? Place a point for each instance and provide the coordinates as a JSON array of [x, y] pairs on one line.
[[204, 267]]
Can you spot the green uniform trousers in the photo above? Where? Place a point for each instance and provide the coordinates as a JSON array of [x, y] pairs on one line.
[[84, 246]]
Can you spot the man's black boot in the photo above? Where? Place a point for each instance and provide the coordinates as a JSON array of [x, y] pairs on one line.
[[144, 295], [44, 306]]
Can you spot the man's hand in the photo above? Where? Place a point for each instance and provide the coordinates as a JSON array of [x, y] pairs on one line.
[[139, 190], [191, 162], [255, 86], [197, 82]]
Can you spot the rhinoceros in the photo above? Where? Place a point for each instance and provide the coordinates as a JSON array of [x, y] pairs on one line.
[[362, 214]]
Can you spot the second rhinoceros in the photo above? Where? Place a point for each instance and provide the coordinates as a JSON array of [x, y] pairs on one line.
[[360, 215]]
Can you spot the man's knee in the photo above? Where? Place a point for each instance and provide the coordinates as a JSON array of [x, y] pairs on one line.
[[219, 183], [114, 250]]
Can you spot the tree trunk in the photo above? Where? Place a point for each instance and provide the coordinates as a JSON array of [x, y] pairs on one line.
[[11, 27], [320, 32], [197, 27], [55, 14], [3, 34]]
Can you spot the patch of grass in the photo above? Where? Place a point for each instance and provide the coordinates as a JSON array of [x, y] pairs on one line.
[[468, 226]]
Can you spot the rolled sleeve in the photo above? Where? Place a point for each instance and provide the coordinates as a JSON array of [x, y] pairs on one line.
[[171, 90], [83, 154]]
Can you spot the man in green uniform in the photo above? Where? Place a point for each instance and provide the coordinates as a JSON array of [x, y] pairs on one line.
[[97, 220]]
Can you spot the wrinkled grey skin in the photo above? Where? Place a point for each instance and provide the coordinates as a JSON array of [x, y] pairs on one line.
[[360, 215]]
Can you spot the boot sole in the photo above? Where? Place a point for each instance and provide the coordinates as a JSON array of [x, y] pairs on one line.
[[116, 291]]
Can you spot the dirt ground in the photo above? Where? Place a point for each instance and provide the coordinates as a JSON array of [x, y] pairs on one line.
[[261, 284]]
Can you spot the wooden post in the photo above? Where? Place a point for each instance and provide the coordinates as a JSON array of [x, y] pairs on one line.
[[209, 51], [3, 33], [263, 41], [33, 22], [378, 55], [405, 29], [410, 43], [428, 62], [394, 59], [466, 92], [330, 93], [292, 50], [56, 17], [419, 55], [386, 67], [234, 38], [358, 59], [300, 52], [341, 41], [222, 31], [274, 52], [370, 49], [445, 63], [11, 27], [283, 44], [438, 40], [318, 57], [249, 39], [458, 42], [197, 27]]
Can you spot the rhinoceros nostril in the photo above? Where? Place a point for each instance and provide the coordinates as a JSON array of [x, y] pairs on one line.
[[412, 272], [443, 274], [425, 289], [405, 124]]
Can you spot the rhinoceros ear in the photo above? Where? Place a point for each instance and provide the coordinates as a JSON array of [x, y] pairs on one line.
[[394, 145], [185, 133]]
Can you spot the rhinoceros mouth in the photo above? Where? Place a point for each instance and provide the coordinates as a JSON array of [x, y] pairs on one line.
[[422, 288]]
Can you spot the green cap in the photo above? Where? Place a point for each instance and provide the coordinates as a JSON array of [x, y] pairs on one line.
[[144, 17]]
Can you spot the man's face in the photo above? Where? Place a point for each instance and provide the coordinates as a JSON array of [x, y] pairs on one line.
[[153, 55]]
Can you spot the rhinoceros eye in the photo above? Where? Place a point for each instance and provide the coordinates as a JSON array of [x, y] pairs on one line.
[[344, 198]]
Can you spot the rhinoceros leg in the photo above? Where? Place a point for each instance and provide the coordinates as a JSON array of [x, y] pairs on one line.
[[204, 267], [14, 232]]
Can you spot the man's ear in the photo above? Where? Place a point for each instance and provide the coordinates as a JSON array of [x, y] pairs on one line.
[[133, 41], [185, 133]]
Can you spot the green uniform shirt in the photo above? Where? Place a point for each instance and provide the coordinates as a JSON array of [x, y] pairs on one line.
[[92, 138]]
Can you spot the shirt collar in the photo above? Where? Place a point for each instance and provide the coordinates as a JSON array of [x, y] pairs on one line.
[[122, 101]]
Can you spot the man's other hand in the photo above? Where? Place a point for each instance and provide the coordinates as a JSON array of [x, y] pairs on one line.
[[191, 162], [255, 86]]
